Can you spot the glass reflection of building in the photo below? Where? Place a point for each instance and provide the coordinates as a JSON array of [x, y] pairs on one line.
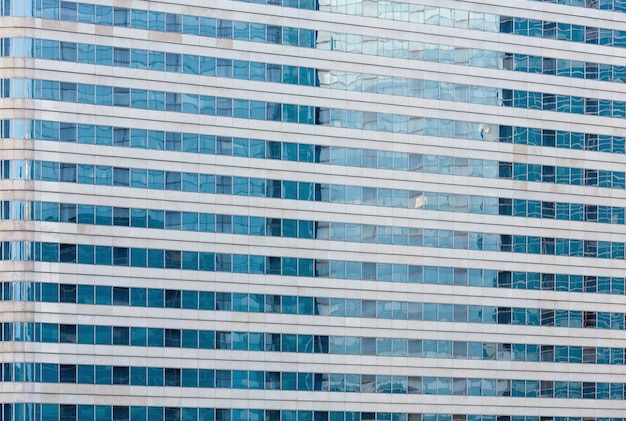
[[312, 211]]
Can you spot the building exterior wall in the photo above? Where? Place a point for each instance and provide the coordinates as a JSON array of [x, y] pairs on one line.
[[558, 333]]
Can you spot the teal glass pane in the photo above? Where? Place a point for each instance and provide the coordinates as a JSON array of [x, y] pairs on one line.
[[103, 255], [138, 376], [139, 19], [138, 178], [138, 336], [104, 337], [103, 295], [155, 337], [86, 13], [191, 25], [189, 338], [190, 141], [206, 105], [86, 334], [85, 374], [156, 298], [49, 412], [104, 175], [206, 339], [138, 297], [207, 27], [138, 257]]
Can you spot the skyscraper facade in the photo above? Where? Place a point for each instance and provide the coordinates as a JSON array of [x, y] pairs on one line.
[[312, 210]]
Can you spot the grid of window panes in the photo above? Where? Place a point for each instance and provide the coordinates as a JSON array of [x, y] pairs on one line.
[[408, 12], [305, 343], [374, 309], [271, 72], [301, 228], [279, 227], [275, 111], [303, 152], [68, 172], [305, 381], [412, 237], [382, 84], [617, 5], [438, 275], [292, 261], [72, 412]]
